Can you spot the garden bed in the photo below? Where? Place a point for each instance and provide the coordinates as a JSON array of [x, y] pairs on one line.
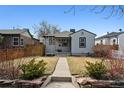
[[17, 83], [87, 82], [97, 73], [24, 73]]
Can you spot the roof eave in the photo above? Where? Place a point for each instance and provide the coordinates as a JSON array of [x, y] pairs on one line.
[[84, 30]]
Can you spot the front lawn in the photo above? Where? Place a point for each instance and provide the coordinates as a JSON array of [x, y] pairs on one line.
[[51, 63], [77, 64], [8, 65]]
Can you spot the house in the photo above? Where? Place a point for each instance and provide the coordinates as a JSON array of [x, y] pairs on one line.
[[74, 43], [121, 43], [14, 38], [109, 38], [113, 38]]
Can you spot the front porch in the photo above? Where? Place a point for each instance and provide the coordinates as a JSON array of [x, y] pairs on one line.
[[59, 46], [56, 53]]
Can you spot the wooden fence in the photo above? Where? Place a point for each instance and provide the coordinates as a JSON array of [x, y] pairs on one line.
[[29, 50]]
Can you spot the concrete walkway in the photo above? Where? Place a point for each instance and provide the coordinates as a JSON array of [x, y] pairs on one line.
[[62, 69], [61, 78]]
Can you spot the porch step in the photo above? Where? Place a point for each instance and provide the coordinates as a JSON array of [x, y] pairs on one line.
[[61, 79]]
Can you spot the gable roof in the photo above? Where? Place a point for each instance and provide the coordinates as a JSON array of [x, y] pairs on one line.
[[63, 34], [108, 35], [83, 30], [67, 33], [60, 34], [15, 31]]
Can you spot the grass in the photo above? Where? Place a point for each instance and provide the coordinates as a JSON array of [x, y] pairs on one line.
[[77, 64], [51, 62]]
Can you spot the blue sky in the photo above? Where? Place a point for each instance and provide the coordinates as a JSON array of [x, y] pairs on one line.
[[27, 16]]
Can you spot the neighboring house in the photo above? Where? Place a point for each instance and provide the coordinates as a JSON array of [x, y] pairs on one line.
[[121, 43], [16, 38], [109, 39], [113, 38], [74, 43]]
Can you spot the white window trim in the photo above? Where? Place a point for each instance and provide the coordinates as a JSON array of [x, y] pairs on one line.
[[82, 42], [13, 41]]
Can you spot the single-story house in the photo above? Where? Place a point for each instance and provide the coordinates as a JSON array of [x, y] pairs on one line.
[[109, 38], [121, 43], [70, 42], [14, 38], [113, 38]]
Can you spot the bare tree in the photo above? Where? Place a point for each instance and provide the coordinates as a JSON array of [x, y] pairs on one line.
[[45, 28], [110, 10]]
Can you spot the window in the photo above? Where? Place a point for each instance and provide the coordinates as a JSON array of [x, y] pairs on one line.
[[82, 42], [64, 42], [82, 33], [114, 42], [22, 42], [101, 42], [15, 41], [51, 40]]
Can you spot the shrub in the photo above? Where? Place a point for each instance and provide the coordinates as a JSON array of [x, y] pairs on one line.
[[115, 68], [104, 50], [8, 70], [33, 69], [96, 70]]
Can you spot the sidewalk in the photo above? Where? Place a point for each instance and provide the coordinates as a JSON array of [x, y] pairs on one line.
[[61, 73], [62, 69]]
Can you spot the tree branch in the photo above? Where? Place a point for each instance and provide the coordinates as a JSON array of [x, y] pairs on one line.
[[111, 13]]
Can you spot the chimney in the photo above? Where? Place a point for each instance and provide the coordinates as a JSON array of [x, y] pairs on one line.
[[72, 30]]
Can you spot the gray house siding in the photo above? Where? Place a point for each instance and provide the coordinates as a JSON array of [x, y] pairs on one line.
[[90, 42], [72, 46]]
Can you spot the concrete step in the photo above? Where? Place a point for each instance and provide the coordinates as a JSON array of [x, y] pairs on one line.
[[61, 79], [60, 85]]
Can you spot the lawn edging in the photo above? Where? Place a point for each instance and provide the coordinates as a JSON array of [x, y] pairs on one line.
[[87, 82], [17, 83]]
